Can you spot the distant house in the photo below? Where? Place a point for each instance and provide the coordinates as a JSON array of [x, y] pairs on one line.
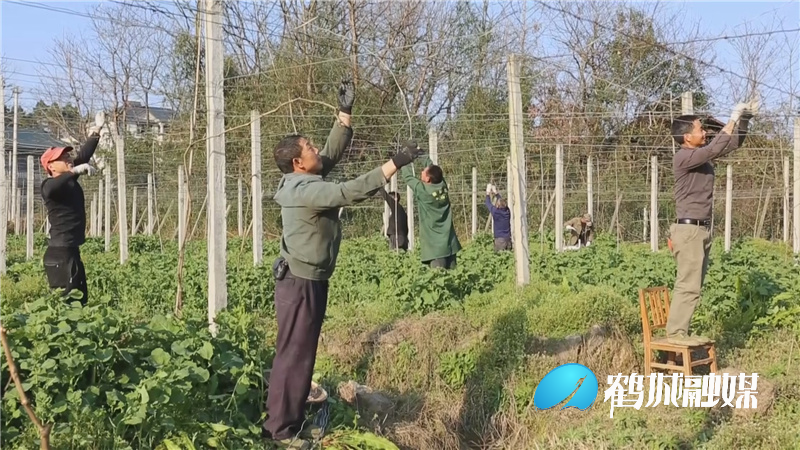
[[141, 120], [31, 142]]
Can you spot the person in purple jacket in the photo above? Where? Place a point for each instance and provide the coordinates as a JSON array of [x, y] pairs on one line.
[[501, 215]]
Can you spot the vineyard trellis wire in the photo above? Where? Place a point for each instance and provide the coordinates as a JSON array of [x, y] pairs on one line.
[[616, 141]]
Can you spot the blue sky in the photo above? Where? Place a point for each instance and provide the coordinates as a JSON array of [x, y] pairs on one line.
[[28, 30]]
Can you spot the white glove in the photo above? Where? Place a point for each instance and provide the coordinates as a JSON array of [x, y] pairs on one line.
[[489, 189], [569, 227], [99, 121], [83, 168], [752, 107], [738, 110]]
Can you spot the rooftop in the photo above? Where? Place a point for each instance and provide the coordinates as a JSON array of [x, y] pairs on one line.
[[32, 139], [137, 112]]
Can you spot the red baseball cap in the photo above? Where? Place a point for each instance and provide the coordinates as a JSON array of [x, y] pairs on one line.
[[52, 154]]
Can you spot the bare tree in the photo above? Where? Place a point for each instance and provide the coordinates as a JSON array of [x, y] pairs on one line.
[[68, 83], [758, 56]]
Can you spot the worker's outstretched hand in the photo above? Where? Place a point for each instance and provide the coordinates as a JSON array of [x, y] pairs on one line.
[[491, 189], [81, 169], [99, 122], [407, 154], [346, 95], [752, 107], [738, 110]]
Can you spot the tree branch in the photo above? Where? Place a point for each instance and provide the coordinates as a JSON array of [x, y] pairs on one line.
[[44, 429]]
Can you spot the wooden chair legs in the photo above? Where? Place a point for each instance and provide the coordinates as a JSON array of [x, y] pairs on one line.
[[712, 353], [679, 359], [656, 301], [687, 361]]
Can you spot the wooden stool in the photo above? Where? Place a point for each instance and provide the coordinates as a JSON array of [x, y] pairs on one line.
[[657, 300]]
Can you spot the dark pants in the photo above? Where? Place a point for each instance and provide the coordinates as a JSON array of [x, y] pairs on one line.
[[64, 269], [448, 262], [501, 244], [397, 241], [300, 308], [583, 238]]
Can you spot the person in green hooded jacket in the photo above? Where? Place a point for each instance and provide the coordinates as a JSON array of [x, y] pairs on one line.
[[438, 241]]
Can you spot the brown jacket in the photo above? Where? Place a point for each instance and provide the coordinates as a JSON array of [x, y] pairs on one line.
[[581, 228]]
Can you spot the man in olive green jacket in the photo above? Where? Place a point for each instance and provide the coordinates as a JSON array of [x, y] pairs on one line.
[[582, 231], [309, 248], [438, 241]]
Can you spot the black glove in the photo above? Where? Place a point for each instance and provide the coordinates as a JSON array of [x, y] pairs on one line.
[[407, 154], [347, 94]]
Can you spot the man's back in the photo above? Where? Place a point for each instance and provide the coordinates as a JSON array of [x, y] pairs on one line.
[[437, 234], [501, 218]]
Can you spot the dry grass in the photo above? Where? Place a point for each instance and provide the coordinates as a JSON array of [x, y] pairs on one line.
[[493, 408], [404, 359]]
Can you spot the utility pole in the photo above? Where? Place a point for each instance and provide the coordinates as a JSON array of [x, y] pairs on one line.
[[519, 214], [150, 221], [107, 215], [29, 210], [215, 149], [728, 206], [255, 186], [654, 203], [14, 163], [122, 196], [181, 208], [4, 188], [589, 187], [796, 199], [559, 196]]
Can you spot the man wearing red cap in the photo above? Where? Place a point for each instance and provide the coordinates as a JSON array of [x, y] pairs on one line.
[[65, 204]]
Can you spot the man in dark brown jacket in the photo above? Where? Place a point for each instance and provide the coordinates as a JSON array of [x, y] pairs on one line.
[[690, 235]]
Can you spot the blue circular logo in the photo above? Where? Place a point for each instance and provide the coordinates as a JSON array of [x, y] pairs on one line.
[[569, 381]]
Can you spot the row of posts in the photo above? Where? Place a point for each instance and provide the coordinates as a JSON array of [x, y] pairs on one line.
[[100, 214], [216, 197], [100, 206]]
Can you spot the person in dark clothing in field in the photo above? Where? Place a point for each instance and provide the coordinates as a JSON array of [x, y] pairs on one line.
[[65, 204], [501, 217], [309, 248], [690, 235], [397, 230]]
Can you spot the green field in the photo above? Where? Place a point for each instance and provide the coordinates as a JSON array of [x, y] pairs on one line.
[[458, 353]]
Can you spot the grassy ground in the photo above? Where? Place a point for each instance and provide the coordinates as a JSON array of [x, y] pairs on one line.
[[466, 380], [460, 353]]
